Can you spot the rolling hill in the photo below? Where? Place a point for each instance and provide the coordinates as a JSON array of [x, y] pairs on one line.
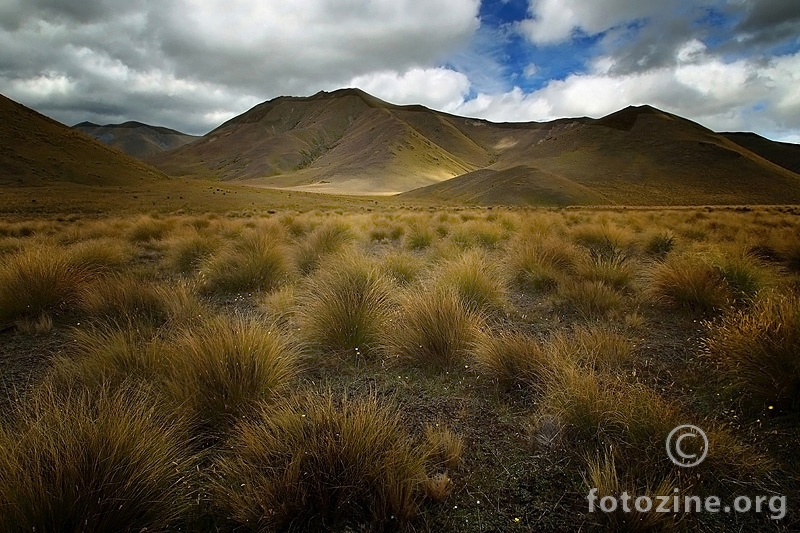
[[137, 139], [347, 141], [36, 150], [786, 155]]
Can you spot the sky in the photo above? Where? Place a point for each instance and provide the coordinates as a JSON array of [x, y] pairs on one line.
[[732, 65]]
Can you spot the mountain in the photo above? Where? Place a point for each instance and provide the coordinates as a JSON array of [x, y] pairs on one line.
[[786, 155], [347, 141], [137, 139], [36, 150]]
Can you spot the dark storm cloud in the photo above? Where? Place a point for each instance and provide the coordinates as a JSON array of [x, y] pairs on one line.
[[191, 64]]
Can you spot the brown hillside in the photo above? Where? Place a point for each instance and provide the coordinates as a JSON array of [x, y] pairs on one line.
[[350, 142], [137, 139], [786, 155], [514, 186], [36, 150]]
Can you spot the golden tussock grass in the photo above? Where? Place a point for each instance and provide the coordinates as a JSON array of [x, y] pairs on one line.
[[318, 462], [325, 240], [757, 350], [38, 281], [435, 328], [224, 368], [125, 298], [477, 281], [603, 474], [513, 360], [591, 300], [539, 265], [344, 308], [257, 262], [94, 462]]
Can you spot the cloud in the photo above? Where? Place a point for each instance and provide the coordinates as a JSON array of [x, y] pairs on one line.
[[438, 88], [735, 96], [114, 59]]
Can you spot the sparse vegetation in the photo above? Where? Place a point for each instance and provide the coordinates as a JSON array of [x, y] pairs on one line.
[[350, 366]]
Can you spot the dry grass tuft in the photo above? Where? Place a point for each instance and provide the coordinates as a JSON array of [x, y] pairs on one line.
[[590, 299], [94, 462], [690, 282], [344, 308], [320, 243], [757, 349], [435, 328], [539, 264], [513, 360], [221, 370], [475, 279], [259, 262], [40, 281], [318, 463]]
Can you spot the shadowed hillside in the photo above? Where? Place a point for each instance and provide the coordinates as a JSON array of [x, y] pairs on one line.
[[786, 155], [36, 150], [137, 139], [350, 142]]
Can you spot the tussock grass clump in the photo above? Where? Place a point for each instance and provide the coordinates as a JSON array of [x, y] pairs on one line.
[[616, 271], [224, 368], [758, 349], [148, 229], [590, 299], [688, 281], [603, 474], [103, 254], [475, 279], [419, 236], [593, 408], [344, 308], [658, 245], [323, 241], [125, 298], [42, 280], [94, 462], [316, 463], [258, 262], [402, 267], [744, 275], [603, 240], [187, 251], [477, 233], [107, 357], [445, 449], [540, 264], [592, 347], [280, 305], [435, 328], [514, 360]]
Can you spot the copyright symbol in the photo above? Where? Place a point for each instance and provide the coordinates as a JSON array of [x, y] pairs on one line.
[[687, 445]]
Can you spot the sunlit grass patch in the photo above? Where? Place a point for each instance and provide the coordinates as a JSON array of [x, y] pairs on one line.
[[590, 299], [40, 280], [321, 243], [224, 368], [95, 461], [259, 262], [688, 281], [186, 251], [434, 328], [148, 229], [344, 308], [513, 360], [402, 267], [475, 278], [317, 462], [539, 265], [757, 349], [125, 298]]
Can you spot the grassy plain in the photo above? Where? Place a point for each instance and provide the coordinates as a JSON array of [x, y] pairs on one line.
[[385, 364]]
